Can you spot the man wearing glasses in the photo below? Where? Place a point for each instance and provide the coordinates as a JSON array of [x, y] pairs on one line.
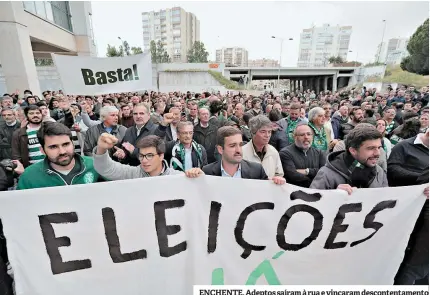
[[151, 151]]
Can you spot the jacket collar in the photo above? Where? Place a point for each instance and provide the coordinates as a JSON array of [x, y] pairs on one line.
[[47, 168], [244, 169]]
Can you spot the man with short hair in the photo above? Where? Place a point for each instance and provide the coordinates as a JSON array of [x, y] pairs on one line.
[[205, 133], [109, 124], [289, 123], [229, 145], [151, 155], [185, 153], [25, 144], [126, 119], [256, 107], [322, 137], [239, 111], [258, 150], [7, 128], [61, 166], [168, 130], [356, 167], [193, 112], [339, 118], [355, 117], [300, 161]]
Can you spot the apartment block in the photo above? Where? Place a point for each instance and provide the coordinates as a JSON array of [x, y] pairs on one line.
[[176, 28], [263, 63], [232, 56], [393, 51], [318, 44]]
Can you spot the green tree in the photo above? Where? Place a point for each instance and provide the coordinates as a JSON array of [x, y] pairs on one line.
[[198, 53], [418, 47], [158, 53], [112, 51], [332, 60], [136, 50], [126, 48]]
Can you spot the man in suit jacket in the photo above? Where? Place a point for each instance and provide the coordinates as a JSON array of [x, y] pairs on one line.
[[229, 145]]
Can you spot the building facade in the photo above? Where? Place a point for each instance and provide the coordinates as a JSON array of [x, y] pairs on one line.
[[174, 27], [263, 63], [232, 56], [35, 29], [393, 51], [318, 44]]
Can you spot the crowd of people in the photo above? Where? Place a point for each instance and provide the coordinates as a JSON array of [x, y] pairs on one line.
[[343, 140]]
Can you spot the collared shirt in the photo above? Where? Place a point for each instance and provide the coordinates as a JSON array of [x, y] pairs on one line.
[[188, 159], [139, 129], [174, 133], [238, 173], [107, 129], [418, 140]]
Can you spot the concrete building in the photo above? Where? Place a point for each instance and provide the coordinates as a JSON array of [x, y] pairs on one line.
[[35, 29], [176, 28], [263, 63], [318, 44], [392, 51], [232, 56]]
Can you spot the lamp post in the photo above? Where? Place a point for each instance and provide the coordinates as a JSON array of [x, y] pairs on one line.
[[280, 59], [356, 59], [382, 40]]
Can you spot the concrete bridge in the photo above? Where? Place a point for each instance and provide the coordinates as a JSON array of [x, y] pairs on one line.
[[319, 79]]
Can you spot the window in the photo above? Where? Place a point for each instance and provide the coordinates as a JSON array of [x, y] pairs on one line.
[[40, 8], [30, 6], [176, 19], [57, 12]]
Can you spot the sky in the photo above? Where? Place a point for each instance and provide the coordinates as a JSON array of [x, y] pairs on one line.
[[251, 24]]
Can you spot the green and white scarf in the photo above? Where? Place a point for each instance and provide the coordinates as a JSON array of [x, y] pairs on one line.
[[291, 125], [177, 161], [389, 128], [320, 138]]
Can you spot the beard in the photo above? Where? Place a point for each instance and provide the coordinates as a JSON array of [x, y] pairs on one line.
[[62, 160], [35, 120]]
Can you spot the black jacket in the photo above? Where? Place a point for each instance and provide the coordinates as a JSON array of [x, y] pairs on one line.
[[249, 170], [344, 130], [207, 138], [336, 122], [279, 138], [194, 156], [6, 133], [407, 162], [293, 158], [132, 138]]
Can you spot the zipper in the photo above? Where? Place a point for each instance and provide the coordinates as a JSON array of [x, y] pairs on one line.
[[82, 171], [53, 172]]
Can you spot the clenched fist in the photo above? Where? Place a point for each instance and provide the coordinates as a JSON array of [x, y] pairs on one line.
[[106, 142]]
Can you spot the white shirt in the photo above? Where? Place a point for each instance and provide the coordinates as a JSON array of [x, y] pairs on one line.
[[174, 133], [188, 159]]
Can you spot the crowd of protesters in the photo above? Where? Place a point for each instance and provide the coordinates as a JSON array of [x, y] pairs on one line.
[[344, 140]]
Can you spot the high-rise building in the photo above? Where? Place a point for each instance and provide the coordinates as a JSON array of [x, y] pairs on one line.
[[393, 51], [232, 56], [318, 44], [263, 63], [176, 28]]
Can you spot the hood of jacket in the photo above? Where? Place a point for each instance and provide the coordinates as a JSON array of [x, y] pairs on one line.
[[336, 163]]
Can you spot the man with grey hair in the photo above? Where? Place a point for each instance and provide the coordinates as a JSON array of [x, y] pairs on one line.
[[184, 153], [109, 124], [258, 150]]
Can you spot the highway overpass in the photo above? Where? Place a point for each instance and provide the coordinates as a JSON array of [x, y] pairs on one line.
[[329, 78]]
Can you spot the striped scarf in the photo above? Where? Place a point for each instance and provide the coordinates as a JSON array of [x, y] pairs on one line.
[[34, 153], [177, 161], [76, 143]]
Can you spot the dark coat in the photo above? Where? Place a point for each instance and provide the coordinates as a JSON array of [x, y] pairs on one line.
[[250, 170], [279, 138], [207, 138], [20, 146], [344, 130], [293, 158], [194, 156], [336, 122], [6, 133], [132, 137]]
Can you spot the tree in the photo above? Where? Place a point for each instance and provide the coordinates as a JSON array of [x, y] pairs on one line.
[[418, 47], [136, 50], [112, 51], [332, 60], [198, 53], [123, 49], [158, 53], [335, 60]]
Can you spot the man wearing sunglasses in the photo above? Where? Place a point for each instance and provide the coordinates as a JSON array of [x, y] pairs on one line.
[[151, 157]]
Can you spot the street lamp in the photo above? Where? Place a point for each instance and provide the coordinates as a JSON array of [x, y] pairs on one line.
[[382, 41], [280, 59]]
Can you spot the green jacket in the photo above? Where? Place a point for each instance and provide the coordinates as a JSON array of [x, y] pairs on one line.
[[41, 175]]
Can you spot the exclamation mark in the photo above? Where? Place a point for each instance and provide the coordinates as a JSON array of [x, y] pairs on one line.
[[136, 74]]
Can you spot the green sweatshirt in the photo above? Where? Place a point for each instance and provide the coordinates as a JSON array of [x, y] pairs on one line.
[[41, 175]]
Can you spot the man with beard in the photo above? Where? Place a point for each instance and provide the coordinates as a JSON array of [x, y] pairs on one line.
[[61, 165], [356, 167], [289, 123], [355, 117], [25, 144]]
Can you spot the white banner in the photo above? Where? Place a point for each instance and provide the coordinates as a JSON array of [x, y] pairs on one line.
[[152, 236], [84, 75]]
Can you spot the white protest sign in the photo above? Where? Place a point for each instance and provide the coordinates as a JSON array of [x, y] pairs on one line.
[[84, 75], [151, 236]]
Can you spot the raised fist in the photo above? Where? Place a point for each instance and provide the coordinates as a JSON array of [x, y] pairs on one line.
[[106, 142]]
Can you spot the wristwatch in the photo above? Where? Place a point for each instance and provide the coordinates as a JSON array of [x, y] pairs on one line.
[[307, 171]]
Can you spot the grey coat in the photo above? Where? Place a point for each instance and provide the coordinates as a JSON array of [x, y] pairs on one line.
[[329, 177], [111, 170], [93, 133]]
